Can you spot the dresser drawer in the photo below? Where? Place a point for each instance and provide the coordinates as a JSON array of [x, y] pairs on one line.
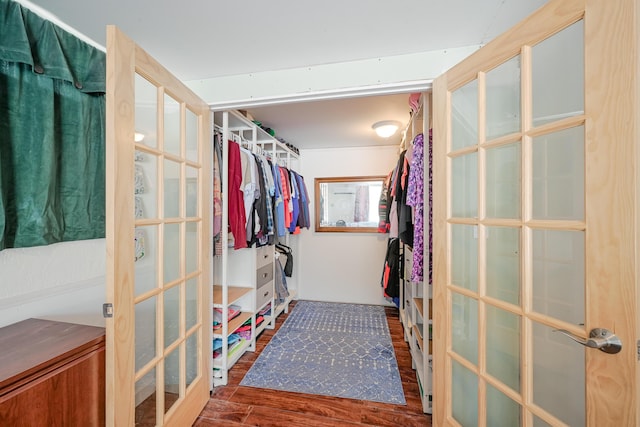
[[264, 256], [264, 294], [264, 275]]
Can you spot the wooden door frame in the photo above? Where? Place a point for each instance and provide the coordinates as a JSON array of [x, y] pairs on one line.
[[611, 37], [120, 275]]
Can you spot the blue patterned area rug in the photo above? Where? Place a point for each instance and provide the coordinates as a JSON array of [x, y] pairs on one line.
[[331, 349]]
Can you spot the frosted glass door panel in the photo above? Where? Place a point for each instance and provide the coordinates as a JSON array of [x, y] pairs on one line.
[[191, 351], [558, 175], [192, 303], [503, 181], [464, 318], [464, 181], [503, 347], [558, 274], [145, 387], [464, 386], [171, 189], [503, 264], [172, 252], [146, 114], [537, 422], [145, 315], [464, 260], [464, 116], [191, 191], [171, 378], [146, 265], [503, 99], [192, 242], [191, 142], [501, 411], [146, 186], [558, 75], [558, 375], [171, 125], [171, 315]]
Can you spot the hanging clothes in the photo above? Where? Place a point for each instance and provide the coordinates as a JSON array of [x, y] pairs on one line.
[[391, 272], [217, 195], [295, 202], [269, 191], [430, 204], [383, 224], [261, 233], [278, 202], [274, 199], [405, 212], [236, 209], [286, 197], [392, 202], [248, 188], [304, 220], [415, 198], [402, 213], [399, 213]]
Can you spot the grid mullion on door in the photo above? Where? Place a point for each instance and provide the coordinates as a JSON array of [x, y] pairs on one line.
[[482, 251], [526, 249], [182, 312], [160, 184]]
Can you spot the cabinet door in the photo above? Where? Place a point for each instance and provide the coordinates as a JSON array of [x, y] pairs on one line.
[[535, 223], [158, 175]]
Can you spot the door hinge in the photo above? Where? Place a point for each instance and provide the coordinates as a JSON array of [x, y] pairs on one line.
[[107, 310], [638, 349]]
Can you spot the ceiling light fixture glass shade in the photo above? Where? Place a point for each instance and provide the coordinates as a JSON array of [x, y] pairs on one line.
[[386, 128], [138, 136]]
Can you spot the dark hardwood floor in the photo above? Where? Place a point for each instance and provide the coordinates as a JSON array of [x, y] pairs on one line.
[[234, 405]]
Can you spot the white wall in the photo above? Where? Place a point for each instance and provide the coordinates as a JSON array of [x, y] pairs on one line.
[[64, 281], [390, 74], [342, 267]]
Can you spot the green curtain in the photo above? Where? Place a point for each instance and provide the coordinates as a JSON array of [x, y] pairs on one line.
[[52, 142]]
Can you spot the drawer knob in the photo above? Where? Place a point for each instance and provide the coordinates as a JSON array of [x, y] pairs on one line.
[[265, 294], [264, 275]]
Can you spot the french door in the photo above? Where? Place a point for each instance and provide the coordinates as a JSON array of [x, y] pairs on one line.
[[535, 206], [157, 242]]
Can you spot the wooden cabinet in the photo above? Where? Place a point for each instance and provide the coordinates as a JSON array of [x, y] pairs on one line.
[[52, 374]]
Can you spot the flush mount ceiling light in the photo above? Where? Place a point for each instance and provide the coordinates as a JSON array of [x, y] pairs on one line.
[[138, 137], [386, 128]]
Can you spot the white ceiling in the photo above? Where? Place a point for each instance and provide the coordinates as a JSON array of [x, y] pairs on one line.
[[200, 39]]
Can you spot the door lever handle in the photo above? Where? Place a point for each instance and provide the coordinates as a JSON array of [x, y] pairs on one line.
[[599, 338]]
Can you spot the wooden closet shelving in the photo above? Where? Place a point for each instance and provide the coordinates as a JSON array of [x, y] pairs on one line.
[[244, 277], [415, 297], [234, 293]]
